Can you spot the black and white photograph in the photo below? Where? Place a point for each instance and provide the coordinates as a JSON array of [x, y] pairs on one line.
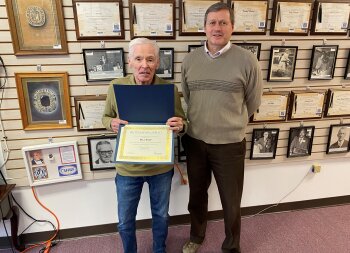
[[181, 148], [166, 63], [323, 62], [193, 47], [251, 47], [338, 139], [347, 69], [300, 141], [102, 151], [282, 63], [103, 64], [264, 143]]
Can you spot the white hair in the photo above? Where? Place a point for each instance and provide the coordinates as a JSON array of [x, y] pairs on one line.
[[142, 41]]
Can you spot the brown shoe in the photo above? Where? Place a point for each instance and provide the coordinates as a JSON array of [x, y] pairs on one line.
[[190, 247]]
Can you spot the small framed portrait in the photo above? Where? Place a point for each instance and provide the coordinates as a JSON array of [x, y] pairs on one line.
[[347, 69], [103, 64], [282, 63], [338, 139], [264, 143], [44, 100], [52, 163], [300, 141], [323, 61], [193, 47], [254, 48], [102, 151], [166, 63]]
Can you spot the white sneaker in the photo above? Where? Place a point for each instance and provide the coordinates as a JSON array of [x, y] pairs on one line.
[[190, 247]]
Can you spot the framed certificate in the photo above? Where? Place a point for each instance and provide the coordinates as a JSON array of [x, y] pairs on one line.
[[347, 69], [44, 100], [323, 61], [338, 103], [291, 17], [37, 27], [330, 17], [273, 107], [166, 63], [264, 143], [101, 151], [152, 18], [338, 139], [254, 48], [193, 47], [103, 64], [89, 112], [306, 104], [192, 16], [52, 163], [300, 141], [282, 63], [98, 20], [250, 16]]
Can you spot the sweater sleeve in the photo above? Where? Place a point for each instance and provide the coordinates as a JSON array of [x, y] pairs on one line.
[[110, 110], [254, 88]]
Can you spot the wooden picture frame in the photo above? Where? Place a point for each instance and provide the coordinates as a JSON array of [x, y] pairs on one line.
[[157, 20], [347, 69], [193, 47], [89, 111], [306, 104], [166, 63], [330, 17], [323, 60], [44, 100], [273, 107], [254, 48], [291, 17], [102, 150], [338, 139], [250, 16], [264, 143], [37, 27], [282, 63], [191, 19], [103, 64], [98, 20], [337, 103], [52, 163], [300, 141]]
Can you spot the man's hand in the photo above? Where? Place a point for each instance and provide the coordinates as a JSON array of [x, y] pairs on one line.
[[116, 122], [176, 124]]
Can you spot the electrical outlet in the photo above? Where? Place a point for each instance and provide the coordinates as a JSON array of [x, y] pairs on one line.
[[316, 168]]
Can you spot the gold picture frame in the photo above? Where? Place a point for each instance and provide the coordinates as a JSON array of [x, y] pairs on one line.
[[44, 100], [37, 27]]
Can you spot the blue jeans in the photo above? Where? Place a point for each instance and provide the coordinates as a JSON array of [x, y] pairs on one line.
[[128, 196]]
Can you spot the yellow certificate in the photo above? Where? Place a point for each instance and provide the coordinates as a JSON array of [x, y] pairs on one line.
[[146, 144]]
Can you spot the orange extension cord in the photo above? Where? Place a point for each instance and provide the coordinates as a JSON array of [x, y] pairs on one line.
[[48, 242]]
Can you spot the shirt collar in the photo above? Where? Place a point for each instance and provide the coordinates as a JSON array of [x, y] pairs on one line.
[[218, 53]]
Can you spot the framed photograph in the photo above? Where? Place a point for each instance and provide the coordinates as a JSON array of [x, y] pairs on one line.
[[338, 139], [264, 143], [102, 151], [153, 19], [103, 64], [44, 100], [291, 17], [323, 62], [347, 69], [330, 17], [37, 27], [89, 112], [166, 63], [300, 141], [273, 107], [282, 63], [181, 148], [98, 20], [192, 16], [250, 16], [193, 47], [306, 104], [252, 47], [338, 103], [52, 163]]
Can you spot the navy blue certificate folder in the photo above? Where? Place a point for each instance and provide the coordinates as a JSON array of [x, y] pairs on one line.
[[145, 103]]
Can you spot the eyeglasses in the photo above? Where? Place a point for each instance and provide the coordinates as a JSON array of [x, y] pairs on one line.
[[108, 152]]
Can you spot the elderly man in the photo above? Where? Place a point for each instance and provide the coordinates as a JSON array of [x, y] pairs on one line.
[[143, 60], [341, 143]]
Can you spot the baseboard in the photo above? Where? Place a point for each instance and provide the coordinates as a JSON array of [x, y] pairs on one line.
[[179, 220]]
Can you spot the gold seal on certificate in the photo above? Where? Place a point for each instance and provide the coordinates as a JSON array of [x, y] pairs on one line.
[[139, 143]]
